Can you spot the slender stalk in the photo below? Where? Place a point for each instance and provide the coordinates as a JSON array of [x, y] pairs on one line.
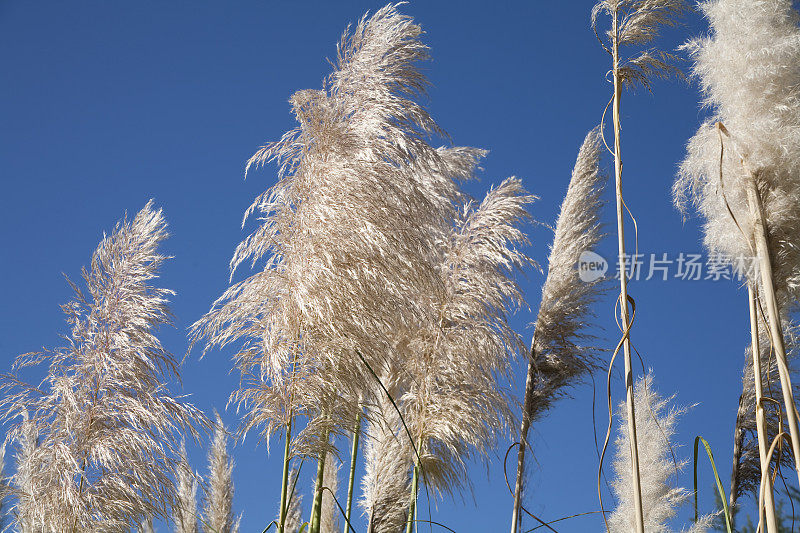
[[773, 314], [738, 442], [316, 509], [523, 441], [623, 282], [285, 478], [412, 508], [351, 482], [768, 506]]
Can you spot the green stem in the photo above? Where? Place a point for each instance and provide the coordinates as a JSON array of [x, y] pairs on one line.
[[285, 481], [720, 489], [351, 482], [414, 489]]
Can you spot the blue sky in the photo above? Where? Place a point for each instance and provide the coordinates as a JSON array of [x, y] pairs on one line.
[[107, 104]]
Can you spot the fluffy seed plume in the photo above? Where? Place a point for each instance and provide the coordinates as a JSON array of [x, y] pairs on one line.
[[558, 359], [218, 509], [345, 237], [105, 421], [294, 515], [387, 456], [749, 74], [638, 23], [655, 426], [454, 405], [184, 515], [21, 483]]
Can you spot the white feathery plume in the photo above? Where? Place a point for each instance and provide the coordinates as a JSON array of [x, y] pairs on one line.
[[294, 514], [655, 427], [218, 509], [106, 422], [558, 357], [638, 23], [345, 237], [749, 74], [329, 520], [22, 485], [185, 513], [453, 403], [386, 483]]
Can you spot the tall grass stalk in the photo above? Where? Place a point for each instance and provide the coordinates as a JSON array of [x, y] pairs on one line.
[[558, 359], [623, 285], [773, 315], [767, 507], [632, 22], [331, 508], [412, 508], [748, 195], [352, 477], [747, 467], [523, 439], [319, 484], [285, 479], [768, 292]]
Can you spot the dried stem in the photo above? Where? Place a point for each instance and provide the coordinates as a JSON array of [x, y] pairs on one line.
[[623, 282], [768, 506], [558, 357], [523, 439], [773, 313]]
